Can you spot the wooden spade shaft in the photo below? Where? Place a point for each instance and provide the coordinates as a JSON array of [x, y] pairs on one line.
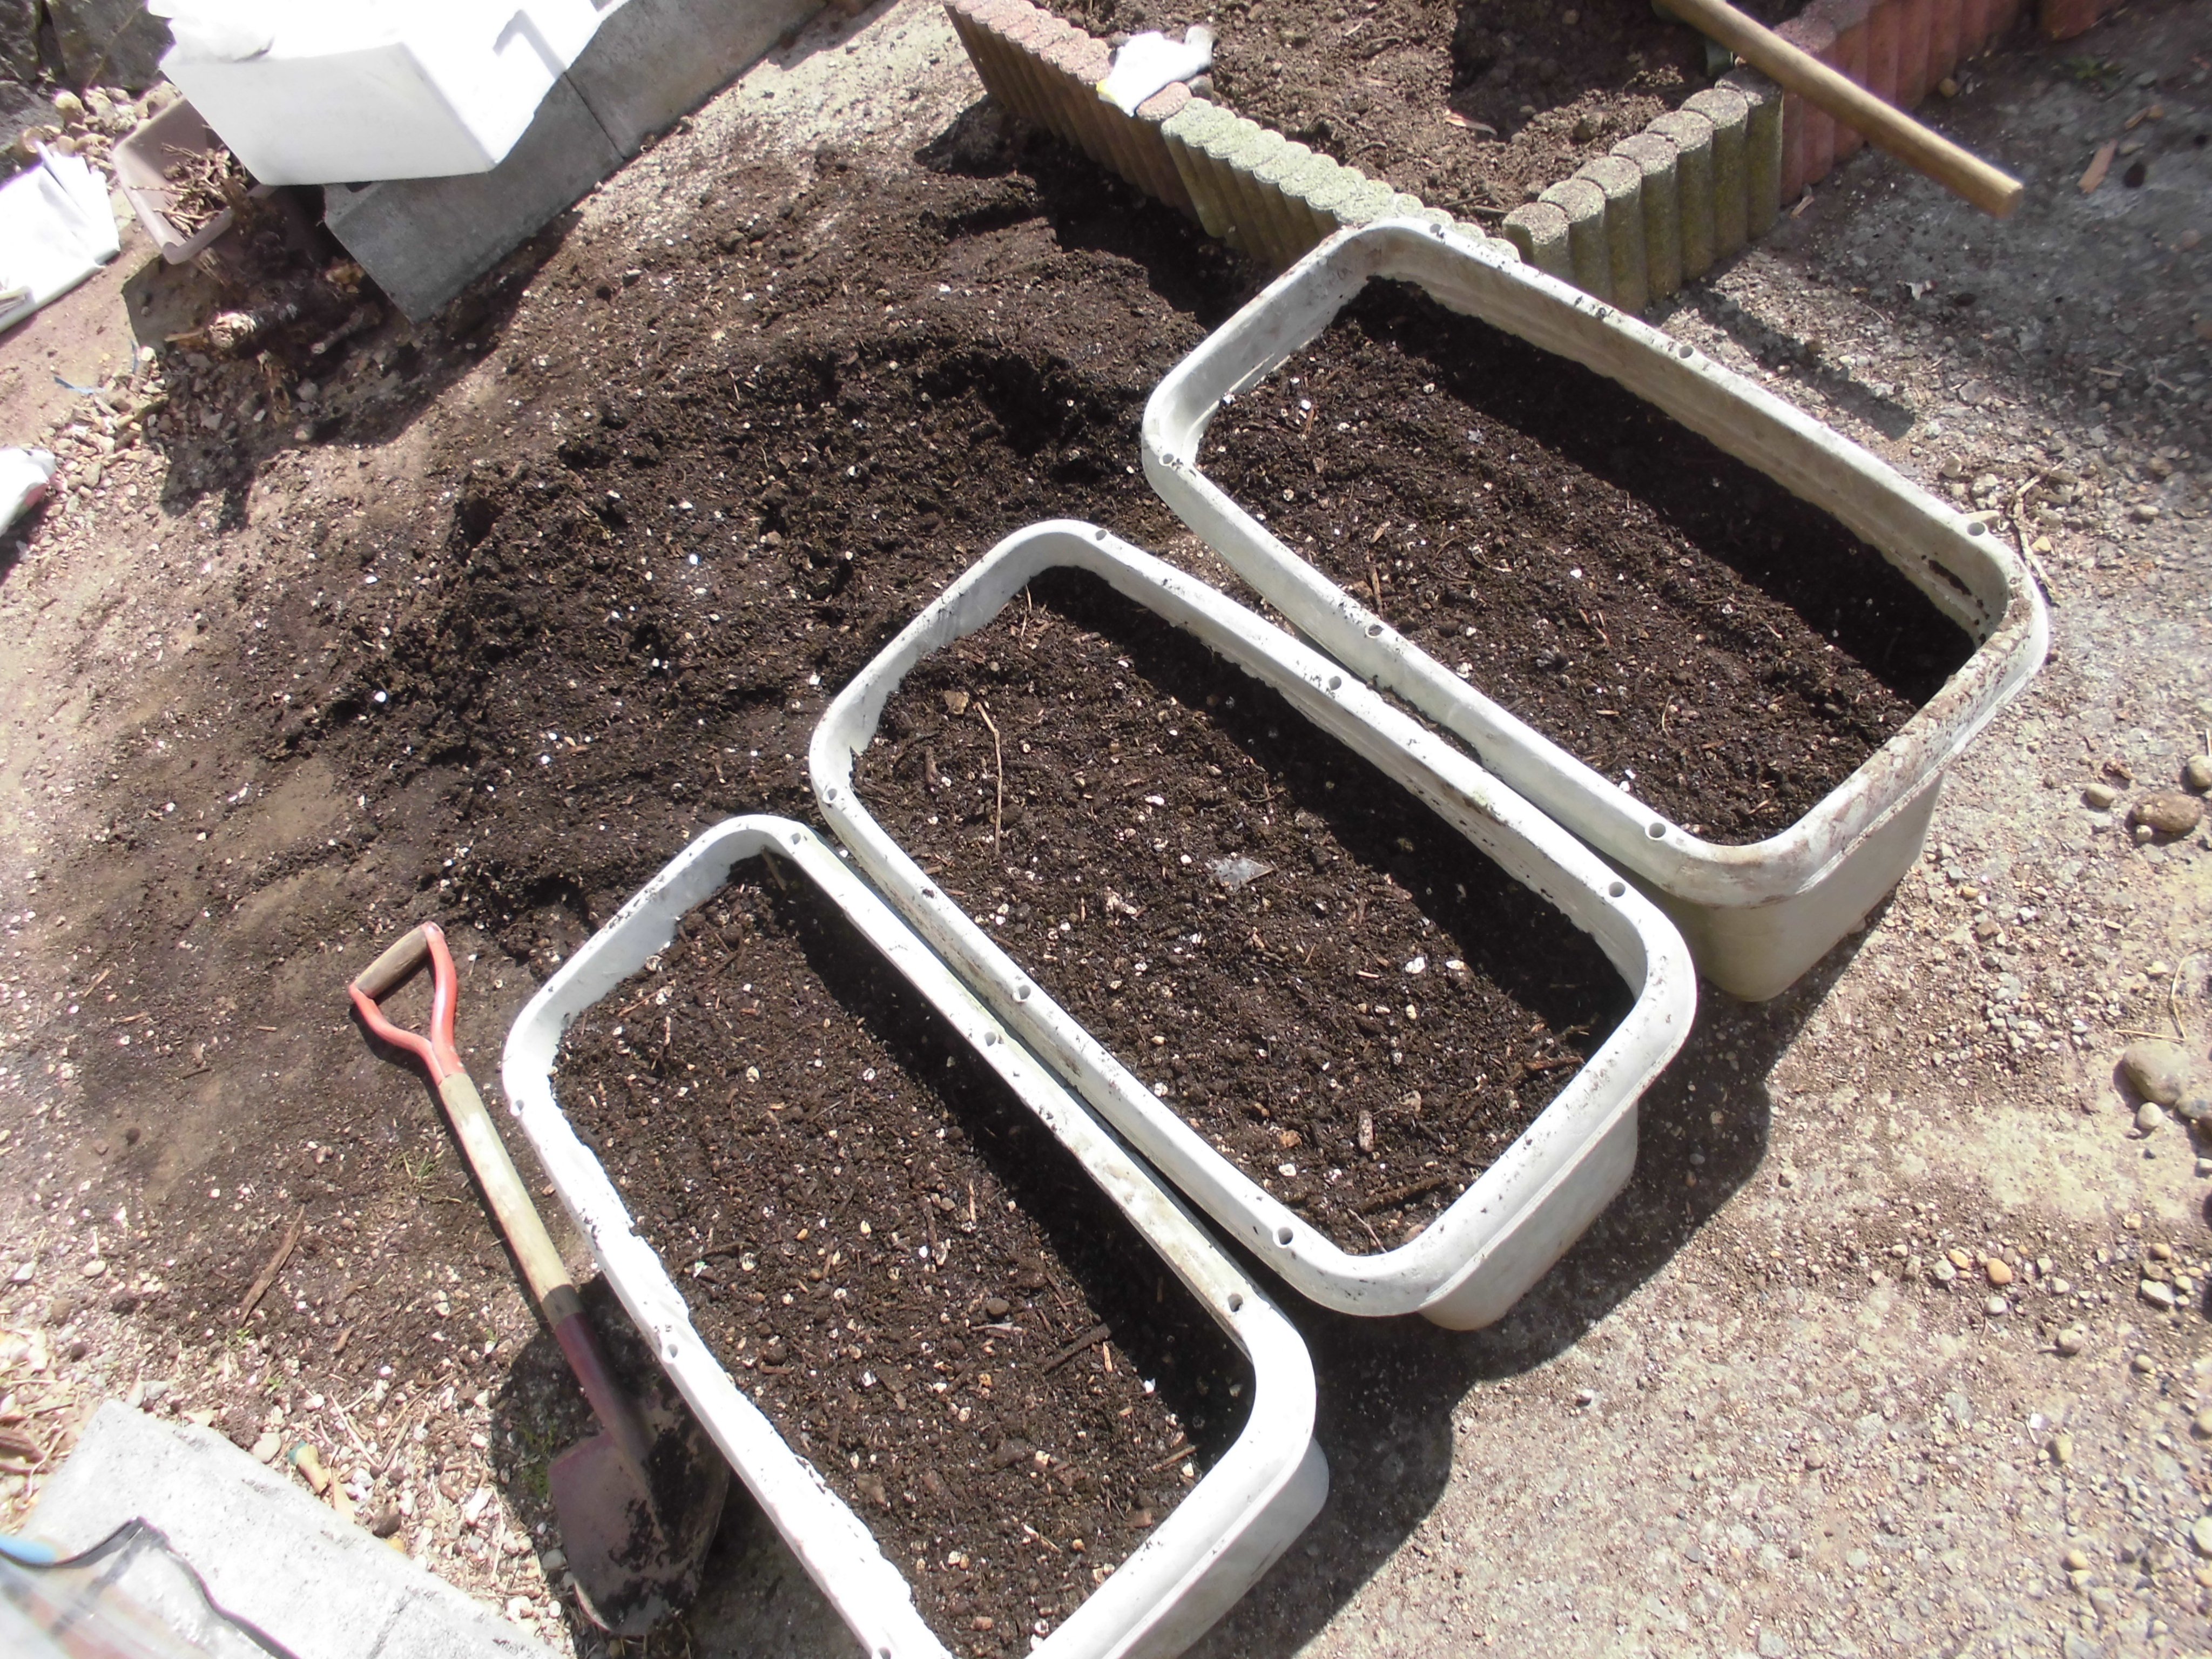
[[1882, 125]]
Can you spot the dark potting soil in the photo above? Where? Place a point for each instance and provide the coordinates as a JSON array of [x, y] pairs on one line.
[[1725, 652], [1469, 104], [920, 1287], [1328, 982]]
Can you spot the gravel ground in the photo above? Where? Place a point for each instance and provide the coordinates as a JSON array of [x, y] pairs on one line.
[[1896, 1345]]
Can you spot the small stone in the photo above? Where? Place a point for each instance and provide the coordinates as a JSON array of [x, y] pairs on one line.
[[2076, 1561], [2200, 1536], [95, 1268], [2148, 1118], [2167, 813], [2156, 1070], [2160, 1250], [60, 1310], [1960, 1259], [2197, 773], [2071, 1340], [2062, 1452], [1942, 1272], [2142, 1364], [385, 1521], [2158, 1293], [997, 1307], [2000, 1273], [1997, 1306], [776, 1351], [2193, 1108], [266, 1447], [2101, 796], [2201, 1424]]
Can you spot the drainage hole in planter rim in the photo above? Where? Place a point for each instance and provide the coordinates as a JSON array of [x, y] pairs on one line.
[[1341, 994], [928, 1297]]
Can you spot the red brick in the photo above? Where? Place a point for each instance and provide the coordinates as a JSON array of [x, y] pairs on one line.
[[1915, 19], [2062, 19], [1806, 132], [1884, 25], [1946, 22]]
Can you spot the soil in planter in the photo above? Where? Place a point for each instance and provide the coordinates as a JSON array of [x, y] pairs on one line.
[[1328, 982], [920, 1287], [1473, 105], [1726, 652]]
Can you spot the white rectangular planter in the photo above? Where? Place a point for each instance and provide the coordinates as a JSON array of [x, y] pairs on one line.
[[1471, 1263], [1228, 1529], [1756, 916]]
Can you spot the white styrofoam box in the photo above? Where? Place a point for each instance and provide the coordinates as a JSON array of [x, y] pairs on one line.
[[1756, 916], [1229, 1527], [349, 93], [1501, 1235]]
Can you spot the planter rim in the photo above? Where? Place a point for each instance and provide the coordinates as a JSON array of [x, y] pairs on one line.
[[1227, 1529], [1468, 1265], [1969, 573]]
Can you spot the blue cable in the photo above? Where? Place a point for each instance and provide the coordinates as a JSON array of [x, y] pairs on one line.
[[29, 1552]]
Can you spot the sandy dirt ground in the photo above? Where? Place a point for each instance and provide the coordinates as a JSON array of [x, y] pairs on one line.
[[1895, 1345]]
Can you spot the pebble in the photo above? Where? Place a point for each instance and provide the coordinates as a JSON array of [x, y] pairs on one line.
[[95, 1268], [2072, 1340], [2000, 1273], [2099, 796], [2201, 1424], [265, 1448], [2156, 1070], [1942, 1272], [2157, 1292], [2167, 813], [2062, 1449], [2200, 1536], [2197, 773], [997, 1306], [2142, 1364], [2148, 1117], [1997, 1305], [2076, 1561]]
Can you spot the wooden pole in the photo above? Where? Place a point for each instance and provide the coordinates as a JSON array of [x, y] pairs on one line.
[[1884, 125]]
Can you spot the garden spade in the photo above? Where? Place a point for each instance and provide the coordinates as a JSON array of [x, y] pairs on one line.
[[638, 1502]]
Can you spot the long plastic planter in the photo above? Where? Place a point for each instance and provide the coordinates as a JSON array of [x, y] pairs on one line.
[[1228, 1529], [1470, 1264], [1756, 916]]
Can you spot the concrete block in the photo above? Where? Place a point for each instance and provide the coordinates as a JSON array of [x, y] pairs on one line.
[[425, 239], [1234, 150], [1161, 178], [1762, 149], [1692, 134], [1185, 135], [1915, 19], [1729, 112], [1662, 209], [269, 1553], [1884, 26], [1288, 173], [1369, 201], [1539, 230], [654, 60], [1622, 182], [1589, 258]]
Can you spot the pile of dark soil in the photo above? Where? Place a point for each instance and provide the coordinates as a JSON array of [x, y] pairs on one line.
[[922, 1289], [1470, 106], [1333, 986], [1723, 651]]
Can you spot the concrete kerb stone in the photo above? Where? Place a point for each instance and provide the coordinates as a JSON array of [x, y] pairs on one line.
[[1186, 135], [1589, 257], [1539, 230], [1660, 162], [425, 239], [1295, 226], [1762, 149], [1154, 114], [1692, 134], [1622, 182], [1729, 113], [1235, 149]]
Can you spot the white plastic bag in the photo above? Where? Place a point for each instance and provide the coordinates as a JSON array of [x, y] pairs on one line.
[[24, 474], [56, 229]]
